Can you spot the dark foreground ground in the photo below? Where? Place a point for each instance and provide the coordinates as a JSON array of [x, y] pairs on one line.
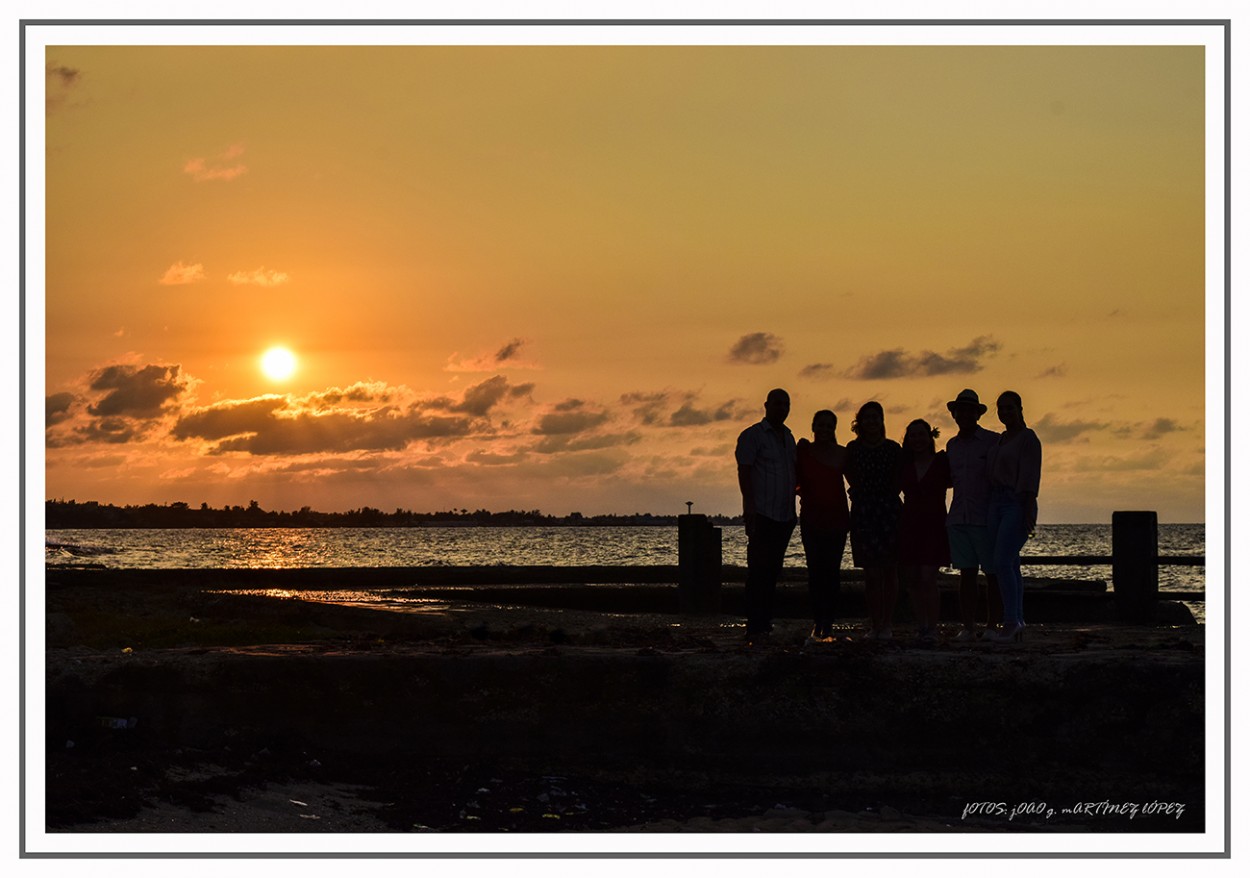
[[179, 708]]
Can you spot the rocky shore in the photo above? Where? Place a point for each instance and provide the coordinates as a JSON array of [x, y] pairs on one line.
[[196, 707]]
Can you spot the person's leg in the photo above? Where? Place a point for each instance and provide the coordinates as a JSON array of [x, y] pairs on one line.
[[837, 545], [757, 577], [927, 599], [817, 547], [964, 558], [889, 597], [777, 542], [991, 610], [968, 598], [993, 601], [1008, 535], [872, 597]]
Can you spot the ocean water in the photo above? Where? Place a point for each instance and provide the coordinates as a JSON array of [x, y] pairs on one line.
[[489, 546]]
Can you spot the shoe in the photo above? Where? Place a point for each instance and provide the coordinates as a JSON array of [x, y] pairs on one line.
[[818, 635], [1011, 634], [966, 635]]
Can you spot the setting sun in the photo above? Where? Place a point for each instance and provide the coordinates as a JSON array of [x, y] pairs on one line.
[[278, 364]]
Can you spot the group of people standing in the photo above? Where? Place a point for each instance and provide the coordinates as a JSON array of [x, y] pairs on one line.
[[897, 518]]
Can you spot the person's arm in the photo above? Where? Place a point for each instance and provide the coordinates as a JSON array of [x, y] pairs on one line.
[[744, 454], [1029, 478], [748, 497]]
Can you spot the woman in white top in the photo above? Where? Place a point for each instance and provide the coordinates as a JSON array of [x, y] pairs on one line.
[[1015, 465]]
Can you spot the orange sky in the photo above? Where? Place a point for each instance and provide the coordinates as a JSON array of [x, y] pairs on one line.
[[565, 277]]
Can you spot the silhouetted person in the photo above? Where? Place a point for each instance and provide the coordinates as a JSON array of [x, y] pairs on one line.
[[967, 521], [766, 477], [1015, 476], [823, 519], [923, 545], [872, 472]]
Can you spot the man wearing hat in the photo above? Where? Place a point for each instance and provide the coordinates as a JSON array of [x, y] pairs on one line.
[[968, 453]]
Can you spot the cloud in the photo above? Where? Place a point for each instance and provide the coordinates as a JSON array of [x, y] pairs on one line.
[[689, 416], [506, 357], [116, 403], [1051, 429], [647, 407], [1155, 429], [56, 407], [219, 167], [564, 442], [278, 425], [361, 391], [111, 430], [756, 349], [1152, 460], [365, 417], [230, 418], [59, 81], [261, 277], [136, 392], [178, 274], [60, 74], [887, 364], [818, 371], [718, 451], [508, 351], [480, 398], [344, 431], [898, 363], [570, 416], [1161, 427], [670, 408], [490, 458], [1057, 371]]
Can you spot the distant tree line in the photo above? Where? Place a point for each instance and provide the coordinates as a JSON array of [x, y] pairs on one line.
[[66, 514]]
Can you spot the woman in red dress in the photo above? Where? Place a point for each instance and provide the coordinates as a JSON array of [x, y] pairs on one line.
[[823, 518], [923, 543]]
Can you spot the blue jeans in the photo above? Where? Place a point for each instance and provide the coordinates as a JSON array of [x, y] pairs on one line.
[[1008, 535]]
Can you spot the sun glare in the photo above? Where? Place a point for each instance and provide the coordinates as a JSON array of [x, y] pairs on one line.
[[278, 364]]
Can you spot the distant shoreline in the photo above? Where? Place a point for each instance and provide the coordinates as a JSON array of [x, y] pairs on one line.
[[91, 515]]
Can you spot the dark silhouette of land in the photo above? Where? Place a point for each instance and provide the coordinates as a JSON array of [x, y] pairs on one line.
[[66, 514]]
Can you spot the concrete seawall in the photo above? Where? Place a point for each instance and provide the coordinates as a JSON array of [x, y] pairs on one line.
[[919, 731], [664, 715]]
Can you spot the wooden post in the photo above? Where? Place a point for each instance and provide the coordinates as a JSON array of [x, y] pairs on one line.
[[1135, 564], [698, 565]]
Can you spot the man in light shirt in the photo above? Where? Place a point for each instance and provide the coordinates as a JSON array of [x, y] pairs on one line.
[[966, 522], [766, 477]]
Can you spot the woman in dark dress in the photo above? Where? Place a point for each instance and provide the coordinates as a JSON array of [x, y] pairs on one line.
[[823, 518], [923, 543], [872, 471]]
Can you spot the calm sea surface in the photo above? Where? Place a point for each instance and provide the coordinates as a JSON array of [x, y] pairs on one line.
[[487, 546]]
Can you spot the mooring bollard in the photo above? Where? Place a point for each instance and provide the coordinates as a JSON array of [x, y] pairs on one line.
[[1135, 564], [698, 565]]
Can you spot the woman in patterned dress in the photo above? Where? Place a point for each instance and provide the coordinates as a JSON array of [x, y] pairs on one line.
[[872, 473]]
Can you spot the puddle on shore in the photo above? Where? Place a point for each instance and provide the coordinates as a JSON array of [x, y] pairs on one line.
[[344, 598]]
